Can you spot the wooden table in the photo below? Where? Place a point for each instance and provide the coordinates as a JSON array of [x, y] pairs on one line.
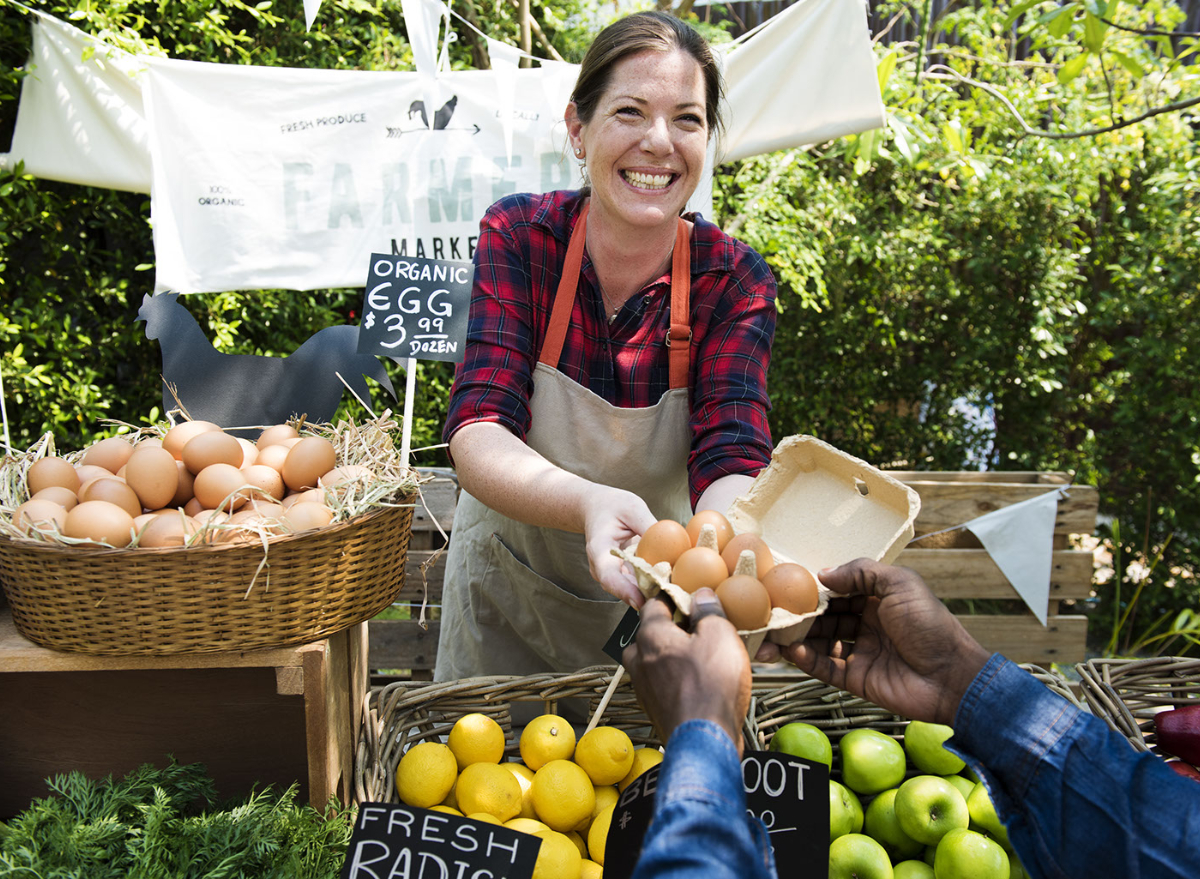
[[278, 716]]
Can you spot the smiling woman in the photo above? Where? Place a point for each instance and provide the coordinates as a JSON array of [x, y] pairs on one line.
[[615, 371]]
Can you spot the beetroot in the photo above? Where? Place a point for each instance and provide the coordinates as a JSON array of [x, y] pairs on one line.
[[1178, 732], [1187, 770]]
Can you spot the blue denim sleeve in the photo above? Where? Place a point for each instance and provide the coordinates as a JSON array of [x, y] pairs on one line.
[[1076, 797], [700, 826]]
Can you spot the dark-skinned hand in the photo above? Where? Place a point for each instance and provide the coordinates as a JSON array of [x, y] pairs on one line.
[[702, 674], [887, 638]]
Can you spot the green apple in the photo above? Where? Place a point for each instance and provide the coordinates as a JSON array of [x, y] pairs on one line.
[[984, 818], [928, 807], [871, 761], [923, 744], [841, 810], [803, 740], [930, 854], [1016, 870], [912, 870], [856, 804], [856, 856], [964, 784], [965, 854], [881, 825]]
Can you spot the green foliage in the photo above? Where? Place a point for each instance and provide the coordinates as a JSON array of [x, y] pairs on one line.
[[164, 824]]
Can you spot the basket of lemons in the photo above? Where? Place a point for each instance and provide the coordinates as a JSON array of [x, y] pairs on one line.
[[512, 750]]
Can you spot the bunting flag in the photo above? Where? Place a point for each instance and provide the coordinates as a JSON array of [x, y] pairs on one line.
[[291, 178], [1020, 540]]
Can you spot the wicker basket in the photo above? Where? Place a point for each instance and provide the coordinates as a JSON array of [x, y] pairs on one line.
[[837, 712], [1127, 693], [207, 599], [404, 713]]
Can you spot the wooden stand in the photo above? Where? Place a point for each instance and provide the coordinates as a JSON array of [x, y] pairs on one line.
[[280, 716]]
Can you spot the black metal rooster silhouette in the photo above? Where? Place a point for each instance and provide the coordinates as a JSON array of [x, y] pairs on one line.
[[440, 119], [237, 390]]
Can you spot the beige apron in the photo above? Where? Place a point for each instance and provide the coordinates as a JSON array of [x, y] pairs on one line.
[[520, 599]]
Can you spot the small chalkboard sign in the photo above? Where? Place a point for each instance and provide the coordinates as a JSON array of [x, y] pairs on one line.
[[390, 840], [416, 308], [788, 794], [623, 635]]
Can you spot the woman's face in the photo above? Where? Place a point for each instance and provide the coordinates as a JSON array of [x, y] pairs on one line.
[[645, 144]]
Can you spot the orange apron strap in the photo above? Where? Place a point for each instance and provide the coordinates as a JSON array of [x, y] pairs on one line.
[[679, 336], [564, 299]]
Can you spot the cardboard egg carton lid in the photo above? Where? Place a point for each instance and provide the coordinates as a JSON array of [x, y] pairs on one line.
[[821, 507]]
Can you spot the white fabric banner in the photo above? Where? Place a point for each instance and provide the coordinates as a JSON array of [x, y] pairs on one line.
[[1020, 540], [290, 178]]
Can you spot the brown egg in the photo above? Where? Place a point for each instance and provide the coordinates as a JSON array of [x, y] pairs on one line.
[[218, 486], [355, 473], [88, 472], [113, 490], [149, 442], [194, 508], [273, 456], [212, 447], [309, 459], [306, 515], [277, 434], [153, 474], [699, 567], [249, 453], [717, 520], [185, 489], [140, 522], [40, 516], [764, 561], [57, 494], [177, 437], [745, 602], [51, 471], [111, 453], [664, 541], [100, 521], [171, 529], [265, 478], [314, 495], [792, 587], [203, 517]]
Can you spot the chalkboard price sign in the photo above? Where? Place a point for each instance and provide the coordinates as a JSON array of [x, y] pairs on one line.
[[392, 841], [416, 308], [788, 794]]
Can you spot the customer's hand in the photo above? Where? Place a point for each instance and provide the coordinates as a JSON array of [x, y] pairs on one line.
[[890, 640], [611, 519], [699, 675]]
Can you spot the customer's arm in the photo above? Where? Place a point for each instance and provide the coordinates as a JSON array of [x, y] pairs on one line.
[[696, 688], [1076, 798]]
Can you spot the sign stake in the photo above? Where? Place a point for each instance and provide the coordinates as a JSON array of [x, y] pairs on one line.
[[410, 391]]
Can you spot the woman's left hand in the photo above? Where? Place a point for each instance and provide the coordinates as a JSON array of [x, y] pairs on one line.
[[612, 517]]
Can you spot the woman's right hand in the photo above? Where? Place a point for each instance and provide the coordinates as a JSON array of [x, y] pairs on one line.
[[612, 517]]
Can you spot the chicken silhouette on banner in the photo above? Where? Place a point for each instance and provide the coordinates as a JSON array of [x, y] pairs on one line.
[[243, 390]]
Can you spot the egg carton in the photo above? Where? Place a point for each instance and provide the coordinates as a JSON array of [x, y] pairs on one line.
[[813, 505]]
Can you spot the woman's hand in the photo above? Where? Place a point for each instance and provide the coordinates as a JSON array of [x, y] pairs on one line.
[[612, 517]]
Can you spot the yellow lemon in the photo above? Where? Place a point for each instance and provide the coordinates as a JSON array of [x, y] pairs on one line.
[[524, 778], [525, 825], [545, 738], [591, 870], [449, 810], [605, 753], [476, 738], [557, 857], [485, 817], [487, 787], [598, 835], [425, 774], [451, 799], [563, 795], [577, 838], [606, 795], [643, 759]]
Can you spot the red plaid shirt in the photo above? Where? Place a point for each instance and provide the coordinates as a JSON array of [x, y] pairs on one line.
[[522, 248]]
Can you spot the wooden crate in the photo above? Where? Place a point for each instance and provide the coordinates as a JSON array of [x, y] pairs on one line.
[[961, 572], [955, 565], [277, 716]]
